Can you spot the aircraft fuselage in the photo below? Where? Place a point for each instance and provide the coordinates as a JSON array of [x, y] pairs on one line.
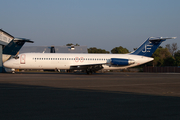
[[66, 61]]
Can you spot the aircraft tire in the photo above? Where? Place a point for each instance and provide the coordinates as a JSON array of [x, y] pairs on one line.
[[89, 72]]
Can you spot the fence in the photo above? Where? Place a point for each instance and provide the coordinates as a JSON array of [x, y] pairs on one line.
[[162, 69]]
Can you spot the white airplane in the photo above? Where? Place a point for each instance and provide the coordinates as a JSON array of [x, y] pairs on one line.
[[88, 62]]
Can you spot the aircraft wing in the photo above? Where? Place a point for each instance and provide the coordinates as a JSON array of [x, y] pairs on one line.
[[93, 67]]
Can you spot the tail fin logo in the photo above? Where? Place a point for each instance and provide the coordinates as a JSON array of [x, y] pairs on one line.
[[147, 48]]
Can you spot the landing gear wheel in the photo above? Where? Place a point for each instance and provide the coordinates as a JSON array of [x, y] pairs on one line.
[[13, 71], [89, 72]]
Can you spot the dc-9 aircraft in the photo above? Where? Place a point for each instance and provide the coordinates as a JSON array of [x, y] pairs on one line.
[[88, 62]]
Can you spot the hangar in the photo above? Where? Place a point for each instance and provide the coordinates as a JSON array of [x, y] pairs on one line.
[[57, 49]]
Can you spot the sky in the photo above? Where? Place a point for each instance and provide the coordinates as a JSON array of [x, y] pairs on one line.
[[103, 24]]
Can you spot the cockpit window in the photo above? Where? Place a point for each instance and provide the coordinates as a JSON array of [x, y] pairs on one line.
[[16, 57]]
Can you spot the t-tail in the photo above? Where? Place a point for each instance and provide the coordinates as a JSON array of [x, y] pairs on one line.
[[15, 45], [150, 46]]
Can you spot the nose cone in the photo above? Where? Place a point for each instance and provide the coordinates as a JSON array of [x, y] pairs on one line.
[[8, 64]]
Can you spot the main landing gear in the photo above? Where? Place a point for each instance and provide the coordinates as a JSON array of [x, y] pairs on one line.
[[93, 69], [89, 72]]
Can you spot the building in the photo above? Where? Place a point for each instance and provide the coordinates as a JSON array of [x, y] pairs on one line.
[[58, 49]]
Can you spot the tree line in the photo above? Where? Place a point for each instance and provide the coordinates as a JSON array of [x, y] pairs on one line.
[[168, 56]]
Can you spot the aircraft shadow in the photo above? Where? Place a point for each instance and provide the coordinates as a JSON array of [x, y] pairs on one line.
[[65, 73], [25, 102]]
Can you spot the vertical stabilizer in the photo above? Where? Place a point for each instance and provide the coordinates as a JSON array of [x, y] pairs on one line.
[[150, 46], [14, 46]]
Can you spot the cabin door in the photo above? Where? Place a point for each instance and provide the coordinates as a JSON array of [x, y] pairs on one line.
[[23, 59]]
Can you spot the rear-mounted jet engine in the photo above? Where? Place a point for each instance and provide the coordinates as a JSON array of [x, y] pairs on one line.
[[121, 62]]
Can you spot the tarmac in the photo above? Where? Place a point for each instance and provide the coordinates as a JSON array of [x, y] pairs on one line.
[[101, 96]]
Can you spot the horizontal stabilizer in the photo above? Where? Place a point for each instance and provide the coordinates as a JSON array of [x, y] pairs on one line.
[[160, 38], [23, 40]]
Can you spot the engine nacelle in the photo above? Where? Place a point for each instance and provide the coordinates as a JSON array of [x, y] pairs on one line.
[[121, 61]]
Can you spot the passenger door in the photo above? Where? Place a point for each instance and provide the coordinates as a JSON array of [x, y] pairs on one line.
[[23, 59]]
